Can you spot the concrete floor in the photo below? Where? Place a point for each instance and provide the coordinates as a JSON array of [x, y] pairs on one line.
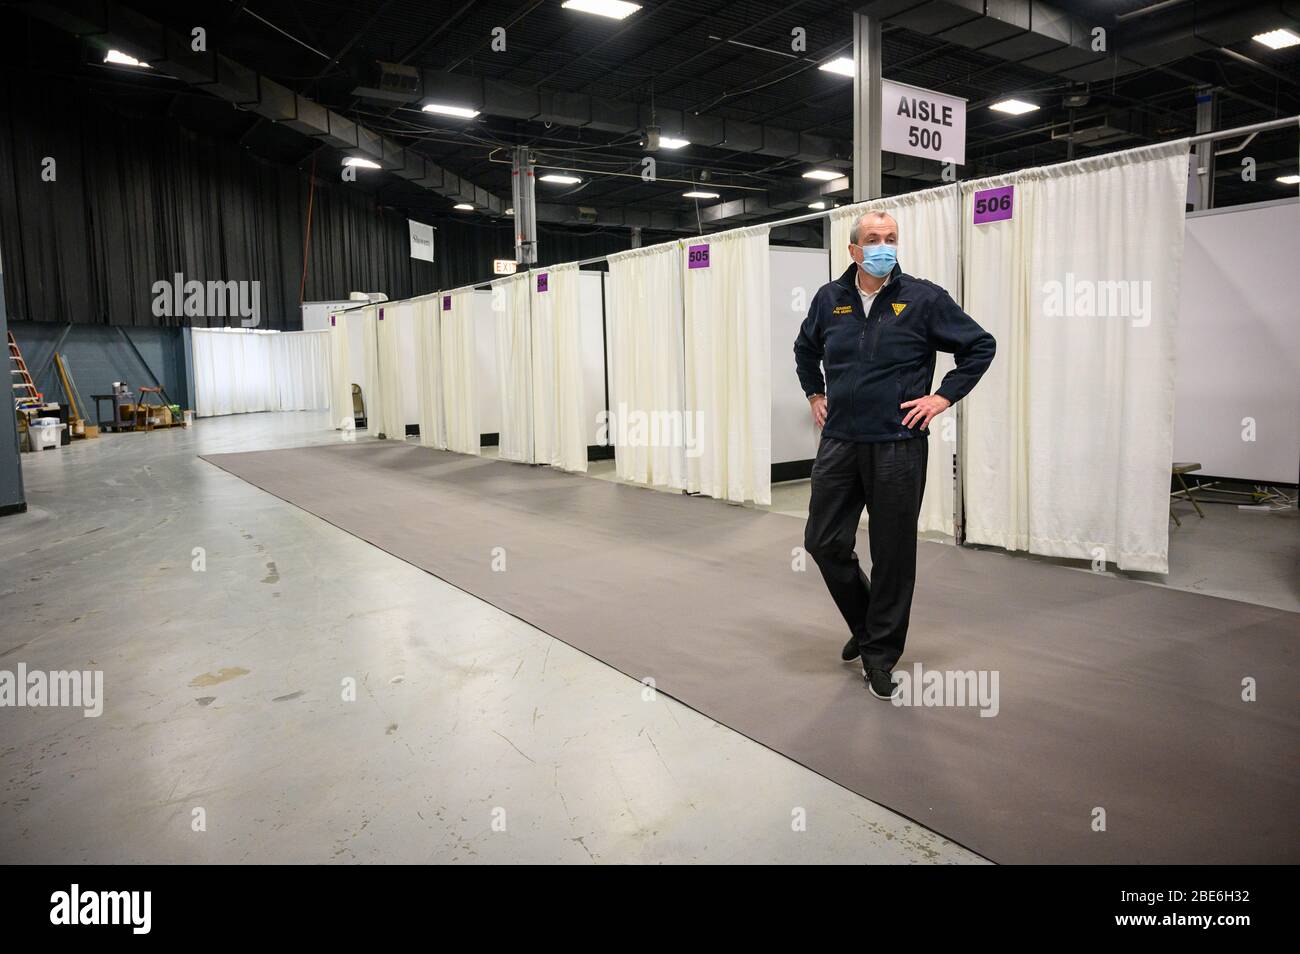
[[223, 691]]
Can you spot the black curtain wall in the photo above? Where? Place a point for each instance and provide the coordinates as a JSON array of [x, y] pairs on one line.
[[136, 199]]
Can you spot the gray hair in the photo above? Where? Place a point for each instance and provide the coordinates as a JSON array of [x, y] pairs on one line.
[[856, 232]]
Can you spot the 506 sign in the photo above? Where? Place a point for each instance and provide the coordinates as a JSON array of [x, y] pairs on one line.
[[994, 205]]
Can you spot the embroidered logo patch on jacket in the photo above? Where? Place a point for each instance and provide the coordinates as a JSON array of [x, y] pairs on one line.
[[898, 307], [842, 310]]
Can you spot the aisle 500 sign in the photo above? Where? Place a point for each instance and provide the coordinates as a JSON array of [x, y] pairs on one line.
[[919, 122]]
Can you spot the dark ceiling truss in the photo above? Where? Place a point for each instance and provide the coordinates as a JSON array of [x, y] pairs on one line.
[[727, 60]]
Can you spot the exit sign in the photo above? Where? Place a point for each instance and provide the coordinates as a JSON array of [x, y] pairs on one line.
[[504, 266]]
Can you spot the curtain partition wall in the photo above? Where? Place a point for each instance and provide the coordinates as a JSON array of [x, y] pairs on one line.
[[428, 346], [340, 373], [929, 237], [239, 371], [511, 301], [1069, 444], [459, 378], [559, 426], [646, 354], [388, 393], [727, 428]]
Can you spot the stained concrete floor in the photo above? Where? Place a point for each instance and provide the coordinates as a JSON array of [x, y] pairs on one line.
[[473, 737]]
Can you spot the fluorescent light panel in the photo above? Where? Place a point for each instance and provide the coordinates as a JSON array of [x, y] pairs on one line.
[[556, 177], [817, 205], [1277, 39], [121, 59], [463, 207], [842, 65], [361, 163], [442, 109], [1015, 107], [822, 175], [700, 195], [614, 9], [668, 142], [1289, 180]]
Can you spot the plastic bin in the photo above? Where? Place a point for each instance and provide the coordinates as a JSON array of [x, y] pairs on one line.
[[44, 433]]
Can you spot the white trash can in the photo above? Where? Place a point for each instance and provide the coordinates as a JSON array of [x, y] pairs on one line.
[[44, 433]]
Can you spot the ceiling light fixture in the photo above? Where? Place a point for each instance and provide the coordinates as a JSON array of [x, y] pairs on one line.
[[700, 195], [361, 163], [668, 142], [817, 205], [822, 175], [1289, 180], [614, 9], [443, 109], [842, 65], [556, 177], [121, 59], [1015, 107], [510, 211], [463, 207], [1277, 39]]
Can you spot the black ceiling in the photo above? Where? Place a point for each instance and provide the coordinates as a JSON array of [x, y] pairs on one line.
[[729, 59]]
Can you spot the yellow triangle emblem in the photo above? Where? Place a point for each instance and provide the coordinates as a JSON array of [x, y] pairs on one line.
[[898, 307]]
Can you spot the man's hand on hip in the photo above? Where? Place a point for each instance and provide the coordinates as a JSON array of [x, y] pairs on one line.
[[925, 409], [818, 404]]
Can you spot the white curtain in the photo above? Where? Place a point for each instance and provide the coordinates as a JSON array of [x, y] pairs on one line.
[[928, 247], [511, 304], [240, 371], [340, 373], [459, 377], [392, 370], [1074, 449], [647, 364], [728, 367], [428, 360], [559, 427], [300, 364], [368, 326]]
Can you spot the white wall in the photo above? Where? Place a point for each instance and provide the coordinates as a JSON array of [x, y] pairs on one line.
[[593, 348], [1238, 346], [792, 270], [316, 314], [489, 379]]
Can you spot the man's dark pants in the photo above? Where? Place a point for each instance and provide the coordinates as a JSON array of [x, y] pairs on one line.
[[888, 478]]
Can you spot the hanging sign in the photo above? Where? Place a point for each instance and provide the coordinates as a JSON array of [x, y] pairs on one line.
[[541, 282], [333, 318], [697, 256], [504, 266], [381, 314], [919, 122], [994, 205], [446, 303], [421, 240]]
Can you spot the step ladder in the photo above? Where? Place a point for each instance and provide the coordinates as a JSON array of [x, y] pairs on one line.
[[24, 388]]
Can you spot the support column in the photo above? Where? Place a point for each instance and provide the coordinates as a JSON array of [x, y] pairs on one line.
[[1204, 156], [523, 189], [635, 236], [866, 107]]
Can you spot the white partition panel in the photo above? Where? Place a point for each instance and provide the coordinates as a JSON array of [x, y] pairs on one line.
[[428, 370], [340, 373], [359, 328], [559, 435], [1235, 410], [489, 378], [796, 274], [591, 302], [511, 303], [393, 370], [459, 371]]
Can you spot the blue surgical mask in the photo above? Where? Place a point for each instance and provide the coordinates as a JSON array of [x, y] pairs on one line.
[[879, 260]]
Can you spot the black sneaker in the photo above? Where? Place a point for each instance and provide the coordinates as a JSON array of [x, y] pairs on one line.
[[881, 683], [850, 650]]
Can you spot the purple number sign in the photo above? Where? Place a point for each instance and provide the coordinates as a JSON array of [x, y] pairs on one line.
[[697, 256], [541, 282], [994, 205], [446, 303]]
